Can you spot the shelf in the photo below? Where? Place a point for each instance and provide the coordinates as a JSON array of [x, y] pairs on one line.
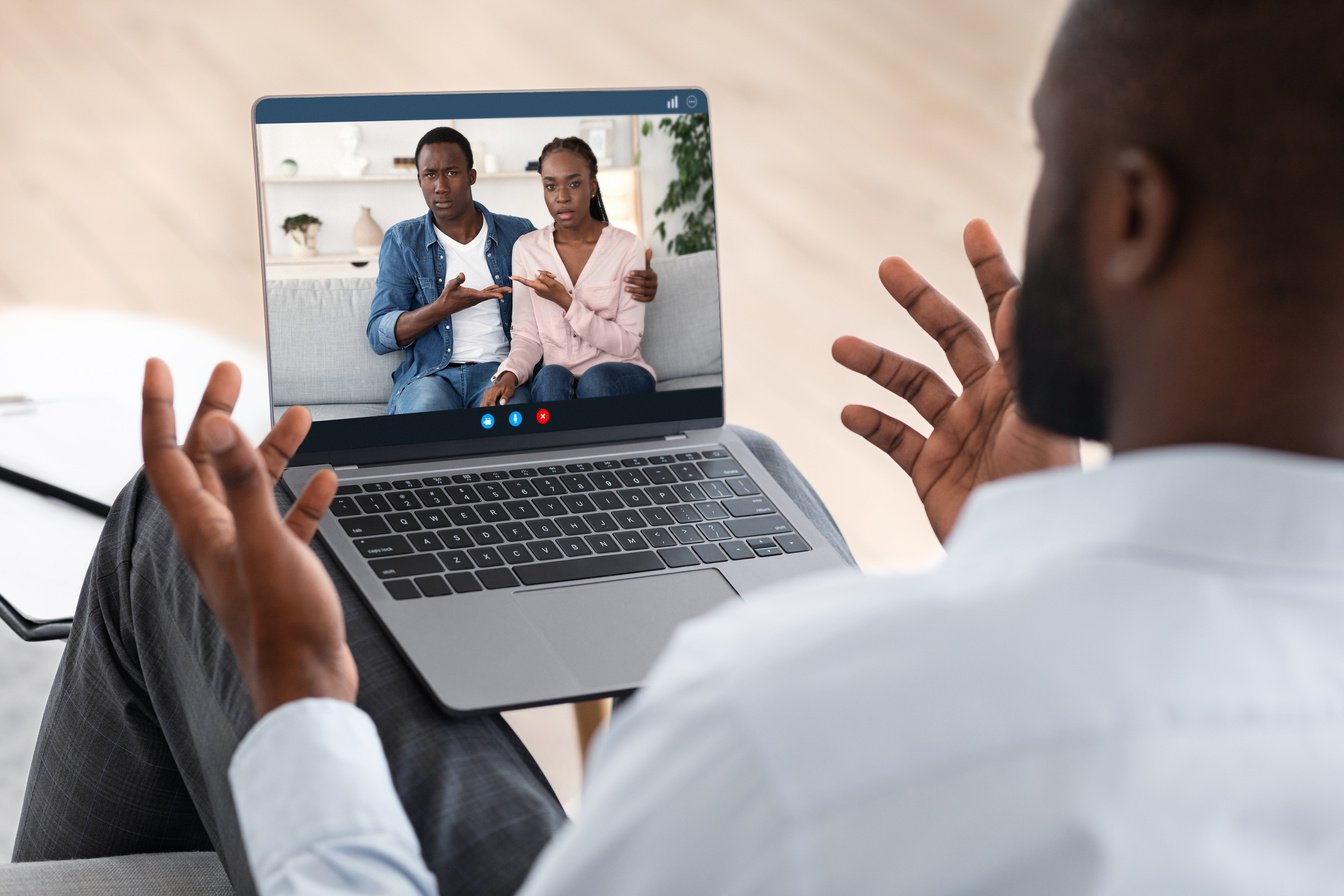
[[346, 258], [406, 178]]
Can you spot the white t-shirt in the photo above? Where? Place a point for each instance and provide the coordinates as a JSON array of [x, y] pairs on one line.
[[478, 334]]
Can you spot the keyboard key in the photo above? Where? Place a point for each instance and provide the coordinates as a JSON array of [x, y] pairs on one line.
[[432, 497], [403, 501], [548, 485], [684, 513], [661, 494], [462, 494], [689, 455], [658, 516], [626, 519], [384, 546], [463, 516], [792, 543], [520, 489], [402, 522], [634, 462], [484, 535], [737, 550], [757, 505], [485, 557], [402, 589], [521, 510], [463, 582], [349, 489], [762, 541], [710, 553], [631, 541], [632, 478], [716, 452], [607, 465], [577, 482], [714, 531], [524, 473], [588, 567], [545, 529], [743, 486], [492, 491], [677, 557], [661, 475], [455, 538], [662, 459], [377, 486], [456, 561], [544, 550], [603, 543], [432, 586], [462, 478], [552, 470], [345, 507], [515, 532], [689, 492], [711, 510], [769, 552], [659, 538], [573, 547], [751, 526], [717, 490], [634, 497], [721, 469], [601, 522], [425, 541], [492, 513], [549, 507], [406, 484], [497, 578], [402, 567], [437, 480], [605, 480], [579, 468], [686, 534], [373, 503], [494, 475], [687, 472], [606, 501], [578, 503], [515, 554], [364, 526], [572, 525]]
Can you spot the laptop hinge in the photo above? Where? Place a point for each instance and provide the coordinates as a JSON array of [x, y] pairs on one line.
[[344, 467], [675, 437]]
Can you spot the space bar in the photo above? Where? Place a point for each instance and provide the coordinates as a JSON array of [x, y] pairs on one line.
[[588, 567]]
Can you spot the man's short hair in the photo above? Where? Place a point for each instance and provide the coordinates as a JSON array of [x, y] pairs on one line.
[[445, 135]]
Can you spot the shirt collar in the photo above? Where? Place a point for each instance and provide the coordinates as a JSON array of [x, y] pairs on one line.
[[1225, 504], [431, 239]]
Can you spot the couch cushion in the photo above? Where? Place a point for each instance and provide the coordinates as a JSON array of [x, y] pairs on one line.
[[682, 336]]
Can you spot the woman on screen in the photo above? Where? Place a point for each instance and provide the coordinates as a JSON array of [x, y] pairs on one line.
[[570, 307]]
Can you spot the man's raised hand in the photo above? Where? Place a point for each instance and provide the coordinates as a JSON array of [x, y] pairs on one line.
[[456, 297], [271, 595], [978, 435]]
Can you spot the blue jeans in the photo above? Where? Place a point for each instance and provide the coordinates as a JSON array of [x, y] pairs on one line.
[[451, 389], [554, 382]]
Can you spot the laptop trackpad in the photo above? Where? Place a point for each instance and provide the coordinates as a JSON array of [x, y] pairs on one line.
[[630, 621]]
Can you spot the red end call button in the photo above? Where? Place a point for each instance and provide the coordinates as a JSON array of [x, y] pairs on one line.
[[543, 416]]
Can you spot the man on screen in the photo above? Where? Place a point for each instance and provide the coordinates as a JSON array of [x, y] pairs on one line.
[[442, 294]]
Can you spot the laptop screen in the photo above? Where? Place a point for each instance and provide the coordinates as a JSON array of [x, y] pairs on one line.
[[463, 272]]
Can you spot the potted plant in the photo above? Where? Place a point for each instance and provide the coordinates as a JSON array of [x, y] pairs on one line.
[[302, 232], [692, 193]]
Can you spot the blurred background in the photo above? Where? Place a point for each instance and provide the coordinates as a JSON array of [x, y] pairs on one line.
[[843, 132]]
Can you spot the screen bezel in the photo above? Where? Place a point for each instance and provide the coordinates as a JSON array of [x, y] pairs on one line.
[[361, 441]]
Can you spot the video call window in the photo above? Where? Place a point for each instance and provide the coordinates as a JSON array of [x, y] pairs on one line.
[[385, 296]]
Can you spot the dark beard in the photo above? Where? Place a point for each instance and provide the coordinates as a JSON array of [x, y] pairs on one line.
[[1063, 379]]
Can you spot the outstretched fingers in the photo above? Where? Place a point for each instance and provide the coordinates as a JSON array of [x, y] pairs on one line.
[[911, 380], [283, 440], [956, 334], [307, 511], [892, 437], [245, 479], [171, 473]]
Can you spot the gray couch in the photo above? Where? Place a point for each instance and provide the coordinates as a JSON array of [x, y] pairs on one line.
[[321, 359]]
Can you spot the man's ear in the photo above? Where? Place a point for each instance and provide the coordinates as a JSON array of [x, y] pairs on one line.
[[1136, 211], [471, 177]]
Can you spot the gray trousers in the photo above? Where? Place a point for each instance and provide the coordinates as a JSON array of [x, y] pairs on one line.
[[148, 707]]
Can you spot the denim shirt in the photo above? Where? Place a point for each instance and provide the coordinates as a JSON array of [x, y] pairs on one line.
[[411, 270]]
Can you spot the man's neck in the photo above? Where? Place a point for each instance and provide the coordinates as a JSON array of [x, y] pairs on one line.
[[464, 228]]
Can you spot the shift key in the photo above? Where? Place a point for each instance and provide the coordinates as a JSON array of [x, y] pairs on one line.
[[752, 526], [397, 567]]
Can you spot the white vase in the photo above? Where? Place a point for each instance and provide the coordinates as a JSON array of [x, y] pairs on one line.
[[368, 235], [303, 242]]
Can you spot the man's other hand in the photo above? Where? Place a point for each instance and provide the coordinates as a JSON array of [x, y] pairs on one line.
[[456, 297], [979, 435], [642, 285], [271, 595]]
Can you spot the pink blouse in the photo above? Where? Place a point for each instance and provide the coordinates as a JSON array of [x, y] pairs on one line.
[[603, 322]]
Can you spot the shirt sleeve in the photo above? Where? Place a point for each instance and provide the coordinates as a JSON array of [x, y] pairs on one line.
[[317, 807], [678, 798], [393, 295], [621, 335]]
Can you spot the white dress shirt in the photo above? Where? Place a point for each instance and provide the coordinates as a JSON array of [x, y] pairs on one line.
[[1122, 681]]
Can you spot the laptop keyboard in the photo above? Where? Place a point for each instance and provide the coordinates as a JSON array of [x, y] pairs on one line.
[[516, 526]]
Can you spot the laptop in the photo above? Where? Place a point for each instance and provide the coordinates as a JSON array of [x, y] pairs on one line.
[[539, 551]]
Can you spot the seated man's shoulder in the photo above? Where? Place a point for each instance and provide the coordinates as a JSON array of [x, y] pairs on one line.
[[513, 226]]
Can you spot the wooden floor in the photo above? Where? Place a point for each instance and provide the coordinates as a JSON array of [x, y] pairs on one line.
[[844, 132]]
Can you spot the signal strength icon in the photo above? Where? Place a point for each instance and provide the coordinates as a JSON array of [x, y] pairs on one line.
[[672, 103]]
